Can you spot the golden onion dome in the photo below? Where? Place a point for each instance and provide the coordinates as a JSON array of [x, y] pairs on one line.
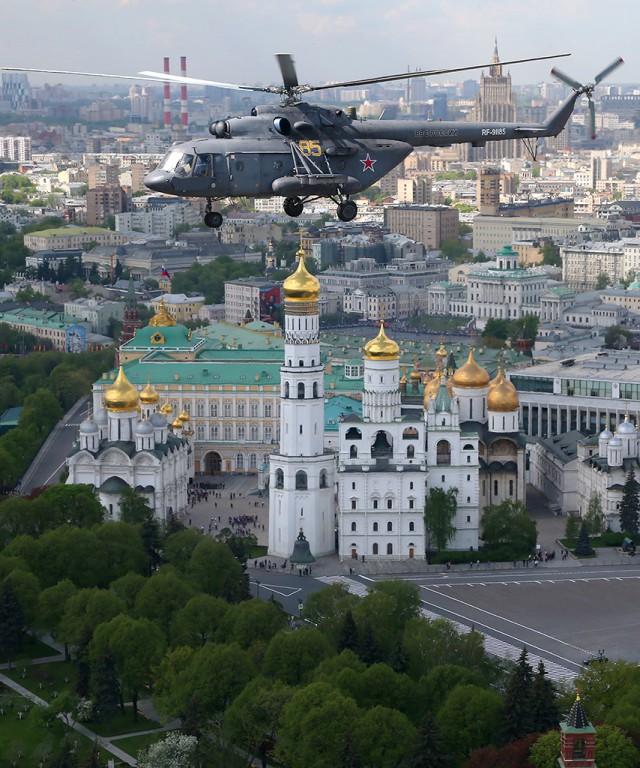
[[166, 409], [149, 396], [416, 374], [162, 318], [301, 285], [177, 423], [433, 385], [121, 395], [184, 417], [503, 396], [383, 348], [471, 375], [441, 353]]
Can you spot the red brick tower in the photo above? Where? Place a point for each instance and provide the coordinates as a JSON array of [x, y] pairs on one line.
[[577, 739]]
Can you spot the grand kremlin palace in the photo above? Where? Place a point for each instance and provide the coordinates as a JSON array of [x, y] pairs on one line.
[[226, 378]]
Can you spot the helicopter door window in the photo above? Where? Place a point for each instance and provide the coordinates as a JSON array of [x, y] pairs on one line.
[[204, 165]]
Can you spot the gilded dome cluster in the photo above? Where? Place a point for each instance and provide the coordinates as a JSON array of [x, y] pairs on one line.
[[470, 375], [162, 317], [382, 347], [149, 396], [301, 285], [121, 395], [503, 396]]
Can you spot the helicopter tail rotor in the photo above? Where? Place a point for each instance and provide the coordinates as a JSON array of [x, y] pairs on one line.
[[588, 88]]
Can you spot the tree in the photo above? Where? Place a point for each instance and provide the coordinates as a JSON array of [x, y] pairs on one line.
[[594, 519], [630, 504], [572, 526], [518, 714], [327, 608], [428, 749], [199, 621], [616, 337], [137, 646], [602, 281], [176, 749], [544, 703], [551, 255], [161, 597], [348, 639], [105, 687], [583, 548], [439, 513], [496, 328], [214, 570], [11, 621], [508, 525], [292, 656], [546, 751], [614, 749], [253, 719], [470, 718], [393, 732]]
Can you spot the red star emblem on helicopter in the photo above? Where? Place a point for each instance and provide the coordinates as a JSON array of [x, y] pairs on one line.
[[368, 163]]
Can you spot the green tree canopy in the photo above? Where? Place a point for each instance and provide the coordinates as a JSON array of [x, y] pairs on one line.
[[439, 513], [508, 525]]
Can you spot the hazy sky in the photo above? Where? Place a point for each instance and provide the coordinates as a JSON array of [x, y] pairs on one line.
[[234, 40]]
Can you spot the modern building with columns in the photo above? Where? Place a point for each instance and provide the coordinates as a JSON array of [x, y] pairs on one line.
[[589, 392]]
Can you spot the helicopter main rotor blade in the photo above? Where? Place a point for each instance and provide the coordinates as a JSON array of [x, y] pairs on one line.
[[165, 77], [288, 70], [427, 73], [70, 72], [592, 119], [566, 79], [608, 70]]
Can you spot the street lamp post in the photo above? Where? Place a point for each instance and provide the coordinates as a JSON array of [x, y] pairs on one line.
[[300, 607], [257, 588]]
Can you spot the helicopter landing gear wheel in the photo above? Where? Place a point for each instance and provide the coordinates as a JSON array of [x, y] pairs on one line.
[[347, 210], [213, 219], [293, 206]]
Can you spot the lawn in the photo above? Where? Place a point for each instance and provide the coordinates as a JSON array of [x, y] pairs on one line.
[[121, 724], [32, 648], [133, 744], [45, 680], [25, 740]]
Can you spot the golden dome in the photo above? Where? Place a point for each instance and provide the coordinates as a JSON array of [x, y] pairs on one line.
[[404, 379], [177, 423], [442, 352], [503, 396], [166, 409], [471, 375], [184, 417], [382, 348], [149, 396], [433, 385], [121, 395], [162, 317], [301, 285]]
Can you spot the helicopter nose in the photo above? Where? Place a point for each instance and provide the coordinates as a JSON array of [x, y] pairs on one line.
[[158, 181]]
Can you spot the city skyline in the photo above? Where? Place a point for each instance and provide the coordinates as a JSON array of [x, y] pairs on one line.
[[327, 43]]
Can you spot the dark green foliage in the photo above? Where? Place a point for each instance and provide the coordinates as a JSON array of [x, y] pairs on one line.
[[518, 705], [583, 547], [399, 658], [348, 639], [82, 664], [439, 514], [11, 621], [544, 703], [209, 279], [630, 504], [368, 649], [508, 525], [428, 750], [105, 686]]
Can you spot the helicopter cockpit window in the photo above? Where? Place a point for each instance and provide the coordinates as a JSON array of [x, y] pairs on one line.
[[204, 165], [177, 162]]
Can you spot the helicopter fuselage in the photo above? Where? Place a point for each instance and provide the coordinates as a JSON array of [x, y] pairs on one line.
[[303, 152]]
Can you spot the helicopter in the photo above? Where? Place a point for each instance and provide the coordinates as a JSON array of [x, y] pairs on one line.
[[303, 152]]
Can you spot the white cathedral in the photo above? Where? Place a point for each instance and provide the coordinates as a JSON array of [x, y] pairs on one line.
[[368, 497], [131, 442]]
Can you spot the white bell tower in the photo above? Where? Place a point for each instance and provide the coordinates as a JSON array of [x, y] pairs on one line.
[[301, 475]]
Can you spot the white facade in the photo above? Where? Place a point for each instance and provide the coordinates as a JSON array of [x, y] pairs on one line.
[[301, 475], [121, 447]]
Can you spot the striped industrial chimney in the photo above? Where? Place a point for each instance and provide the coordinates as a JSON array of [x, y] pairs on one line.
[[167, 97], [184, 108]]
